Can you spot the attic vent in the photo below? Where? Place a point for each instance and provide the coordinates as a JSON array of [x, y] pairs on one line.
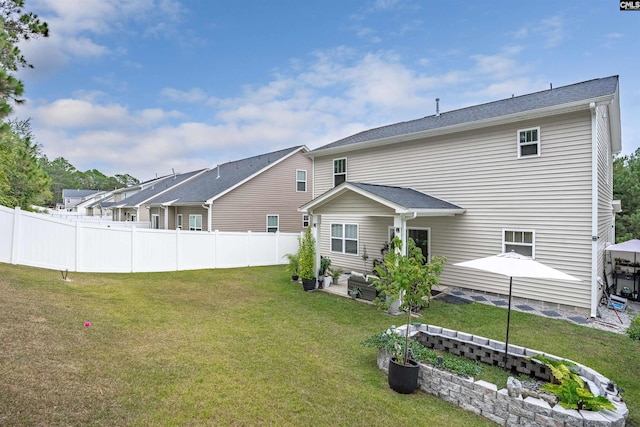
[[437, 107]]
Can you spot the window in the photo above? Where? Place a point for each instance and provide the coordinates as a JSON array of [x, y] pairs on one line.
[[195, 222], [272, 223], [344, 238], [339, 171], [305, 220], [520, 241], [301, 181], [179, 222], [155, 221], [529, 142]]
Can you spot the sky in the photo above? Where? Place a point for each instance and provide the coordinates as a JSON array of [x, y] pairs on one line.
[[147, 87]]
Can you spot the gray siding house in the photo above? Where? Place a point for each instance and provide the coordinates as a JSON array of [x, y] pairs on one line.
[[260, 194], [530, 173]]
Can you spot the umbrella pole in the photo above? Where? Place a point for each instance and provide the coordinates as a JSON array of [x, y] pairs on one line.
[[506, 344]]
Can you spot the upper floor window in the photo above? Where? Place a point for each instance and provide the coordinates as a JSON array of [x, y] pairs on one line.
[[195, 222], [305, 220], [301, 180], [529, 142], [519, 241], [272, 223], [339, 171], [344, 238]]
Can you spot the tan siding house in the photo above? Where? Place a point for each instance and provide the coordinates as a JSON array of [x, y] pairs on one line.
[[259, 194], [530, 173]]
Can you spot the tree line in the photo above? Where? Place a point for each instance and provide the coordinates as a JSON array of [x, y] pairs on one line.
[[27, 177]]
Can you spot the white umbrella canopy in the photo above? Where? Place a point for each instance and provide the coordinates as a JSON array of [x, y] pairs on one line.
[[632, 245], [513, 264]]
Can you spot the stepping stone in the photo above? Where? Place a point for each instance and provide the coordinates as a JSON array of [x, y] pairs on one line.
[[578, 320], [551, 313], [525, 307], [479, 298], [457, 293], [500, 303]]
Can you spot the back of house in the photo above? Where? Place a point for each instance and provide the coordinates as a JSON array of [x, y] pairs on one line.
[[530, 173]]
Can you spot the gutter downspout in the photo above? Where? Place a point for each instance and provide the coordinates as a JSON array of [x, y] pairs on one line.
[[594, 210], [208, 208]]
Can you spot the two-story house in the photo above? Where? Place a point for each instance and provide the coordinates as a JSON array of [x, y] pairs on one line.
[[531, 173], [260, 193]]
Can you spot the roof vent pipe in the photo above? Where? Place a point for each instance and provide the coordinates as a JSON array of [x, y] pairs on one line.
[[437, 107], [218, 168]]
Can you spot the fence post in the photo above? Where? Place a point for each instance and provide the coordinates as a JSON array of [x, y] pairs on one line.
[[77, 247], [133, 249], [248, 248], [178, 250], [15, 243]]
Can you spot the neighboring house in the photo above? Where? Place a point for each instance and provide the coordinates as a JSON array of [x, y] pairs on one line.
[[74, 200], [531, 173], [260, 193], [132, 208]]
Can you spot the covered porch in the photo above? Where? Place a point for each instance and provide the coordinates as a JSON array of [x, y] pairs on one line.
[[353, 221]]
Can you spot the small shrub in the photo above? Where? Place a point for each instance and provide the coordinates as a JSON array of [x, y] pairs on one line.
[[634, 328]]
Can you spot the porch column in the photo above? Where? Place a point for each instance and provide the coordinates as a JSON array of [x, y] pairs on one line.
[[400, 226], [316, 231]]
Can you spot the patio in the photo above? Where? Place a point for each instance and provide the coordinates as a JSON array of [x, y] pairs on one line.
[[607, 321]]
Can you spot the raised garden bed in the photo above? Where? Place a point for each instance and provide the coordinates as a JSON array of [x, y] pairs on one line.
[[486, 400]]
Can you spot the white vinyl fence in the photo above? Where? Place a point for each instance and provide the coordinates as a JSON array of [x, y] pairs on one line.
[[41, 241]]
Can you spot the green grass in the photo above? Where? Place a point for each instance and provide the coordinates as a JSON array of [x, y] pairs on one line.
[[238, 347]]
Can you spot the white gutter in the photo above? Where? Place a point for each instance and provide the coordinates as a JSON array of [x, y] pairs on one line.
[[594, 210], [208, 208]]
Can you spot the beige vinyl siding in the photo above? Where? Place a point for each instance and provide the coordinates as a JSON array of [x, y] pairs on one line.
[[372, 234], [273, 192], [605, 186], [480, 172]]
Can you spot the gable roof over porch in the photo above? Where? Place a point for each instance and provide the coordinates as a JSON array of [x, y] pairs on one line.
[[389, 200]]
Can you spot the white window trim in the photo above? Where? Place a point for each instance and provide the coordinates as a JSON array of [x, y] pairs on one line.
[[155, 221], [428, 230], [267, 223], [179, 221], [333, 169], [306, 220], [524, 230], [195, 216], [519, 145], [344, 238], [305, 180]]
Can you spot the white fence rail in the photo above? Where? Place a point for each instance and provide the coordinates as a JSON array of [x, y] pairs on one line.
[[42, 241]]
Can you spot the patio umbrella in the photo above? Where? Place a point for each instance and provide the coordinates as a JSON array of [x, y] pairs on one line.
[[513, 264]]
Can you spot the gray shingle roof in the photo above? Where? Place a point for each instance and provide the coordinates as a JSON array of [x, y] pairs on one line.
[[221, 178], [79, 193], [584, 91], [405, 197], [157, 187]]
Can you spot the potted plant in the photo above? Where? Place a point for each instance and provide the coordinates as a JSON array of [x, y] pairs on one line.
[[292, 267], [406, 279], [335, 274], [306, 260], [354, 293]]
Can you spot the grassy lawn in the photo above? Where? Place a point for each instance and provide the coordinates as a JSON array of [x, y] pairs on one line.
[[239, 347]]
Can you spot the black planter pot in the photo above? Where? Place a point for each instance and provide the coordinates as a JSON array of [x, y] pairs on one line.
[[309, 284], [294, 277], [403, 379]]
